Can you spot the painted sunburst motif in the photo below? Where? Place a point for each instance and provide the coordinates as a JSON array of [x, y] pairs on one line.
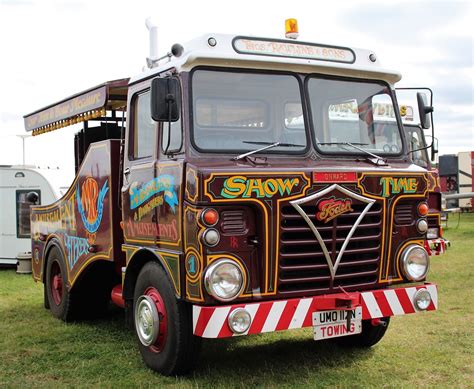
[[297, 205]]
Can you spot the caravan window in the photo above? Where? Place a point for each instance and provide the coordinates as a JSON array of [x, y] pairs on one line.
[[23, 212]]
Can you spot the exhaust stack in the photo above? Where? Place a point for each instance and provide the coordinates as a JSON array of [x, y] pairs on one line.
[[153, 38]]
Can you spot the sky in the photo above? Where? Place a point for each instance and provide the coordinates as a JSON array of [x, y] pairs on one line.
[[51, 49]]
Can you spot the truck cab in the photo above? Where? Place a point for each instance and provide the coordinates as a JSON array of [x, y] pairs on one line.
[[251, 189]]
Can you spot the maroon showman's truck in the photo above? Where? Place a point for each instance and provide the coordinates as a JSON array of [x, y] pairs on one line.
[[239, 185]]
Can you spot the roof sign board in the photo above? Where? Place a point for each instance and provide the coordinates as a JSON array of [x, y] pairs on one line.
[[84, 103], [280, 48]]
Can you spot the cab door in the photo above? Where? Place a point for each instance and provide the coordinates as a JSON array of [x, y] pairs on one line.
[[153, 174]]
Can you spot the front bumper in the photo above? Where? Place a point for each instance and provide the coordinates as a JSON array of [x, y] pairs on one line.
[[269, 316]]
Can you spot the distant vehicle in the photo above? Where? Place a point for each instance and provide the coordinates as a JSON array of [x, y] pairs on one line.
[[15, 184], [456, 173]]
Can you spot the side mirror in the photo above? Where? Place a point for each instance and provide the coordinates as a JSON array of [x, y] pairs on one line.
[[32, 197], [424, 109], [165, 99]]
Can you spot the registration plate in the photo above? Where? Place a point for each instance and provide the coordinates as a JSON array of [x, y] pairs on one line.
[[332, 324]]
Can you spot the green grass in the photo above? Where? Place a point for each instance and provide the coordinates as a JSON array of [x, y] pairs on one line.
[[429, 349]]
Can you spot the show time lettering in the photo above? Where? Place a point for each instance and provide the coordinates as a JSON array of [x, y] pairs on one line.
[[76, 247], [162, 230], [394, 185], [241, 186], [161, 184], [332, 208]]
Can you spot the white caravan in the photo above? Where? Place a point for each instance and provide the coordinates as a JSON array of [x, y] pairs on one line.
[[15, 183]]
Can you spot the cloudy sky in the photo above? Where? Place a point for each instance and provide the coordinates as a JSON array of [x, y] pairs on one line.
[[51, 49]]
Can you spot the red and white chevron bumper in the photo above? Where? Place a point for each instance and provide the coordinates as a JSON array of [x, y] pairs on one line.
[[269, 316], [436, 246]]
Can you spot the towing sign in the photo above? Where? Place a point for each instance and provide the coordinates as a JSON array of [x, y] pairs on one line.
[[332, 324]]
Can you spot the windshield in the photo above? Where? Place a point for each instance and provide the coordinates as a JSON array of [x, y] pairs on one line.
[[239, 111], [360, 113]]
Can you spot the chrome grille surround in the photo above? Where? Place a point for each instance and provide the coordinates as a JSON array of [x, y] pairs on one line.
[[317, 255]]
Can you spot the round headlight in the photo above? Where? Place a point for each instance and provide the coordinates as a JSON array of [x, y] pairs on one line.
[[416, 263], [224, 280], [422, 299], [239, 320]]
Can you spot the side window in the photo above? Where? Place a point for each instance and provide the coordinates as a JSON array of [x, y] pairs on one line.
[[23, 212], [176, 139], [144, 127]]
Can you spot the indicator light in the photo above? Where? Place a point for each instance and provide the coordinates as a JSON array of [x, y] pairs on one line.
[[209, 217], [422, 226], [423, 209], [211, 237], [212, 42]]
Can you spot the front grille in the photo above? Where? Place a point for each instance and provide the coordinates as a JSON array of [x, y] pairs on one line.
[[404, 214], [233, 222], [302, 265]]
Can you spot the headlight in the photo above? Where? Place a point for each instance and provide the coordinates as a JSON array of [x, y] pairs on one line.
[[239, 320], [422, 299], [432, 233], [415, 263], [224, 280]]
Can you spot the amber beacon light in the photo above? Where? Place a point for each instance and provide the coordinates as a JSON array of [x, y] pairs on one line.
[[291, 28]]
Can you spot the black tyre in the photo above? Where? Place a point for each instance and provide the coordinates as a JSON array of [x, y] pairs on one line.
[[163, 325], [58, 297], [371, 334], [45, 297]]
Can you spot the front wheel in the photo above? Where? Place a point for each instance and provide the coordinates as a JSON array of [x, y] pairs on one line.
[[163, 325], [372, 333]]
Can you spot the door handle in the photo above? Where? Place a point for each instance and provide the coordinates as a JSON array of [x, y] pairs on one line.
[[126, 171]]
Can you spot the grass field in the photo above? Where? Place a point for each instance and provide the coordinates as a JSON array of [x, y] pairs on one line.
[[430, 349]]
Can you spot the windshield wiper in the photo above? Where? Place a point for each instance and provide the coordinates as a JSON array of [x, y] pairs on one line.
[[376, 159], [269, 145]]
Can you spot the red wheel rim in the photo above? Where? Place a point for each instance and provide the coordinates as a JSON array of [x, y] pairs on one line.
[[56, 281], [160, 307]]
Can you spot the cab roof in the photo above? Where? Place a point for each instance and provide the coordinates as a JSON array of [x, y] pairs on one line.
[[273, 54]]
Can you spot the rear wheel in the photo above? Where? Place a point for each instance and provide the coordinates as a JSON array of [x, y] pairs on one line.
[[58, 297], [163, 325], [372, 332]]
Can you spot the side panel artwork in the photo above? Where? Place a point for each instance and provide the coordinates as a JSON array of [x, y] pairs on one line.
[[83, 220], [151, 206]]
